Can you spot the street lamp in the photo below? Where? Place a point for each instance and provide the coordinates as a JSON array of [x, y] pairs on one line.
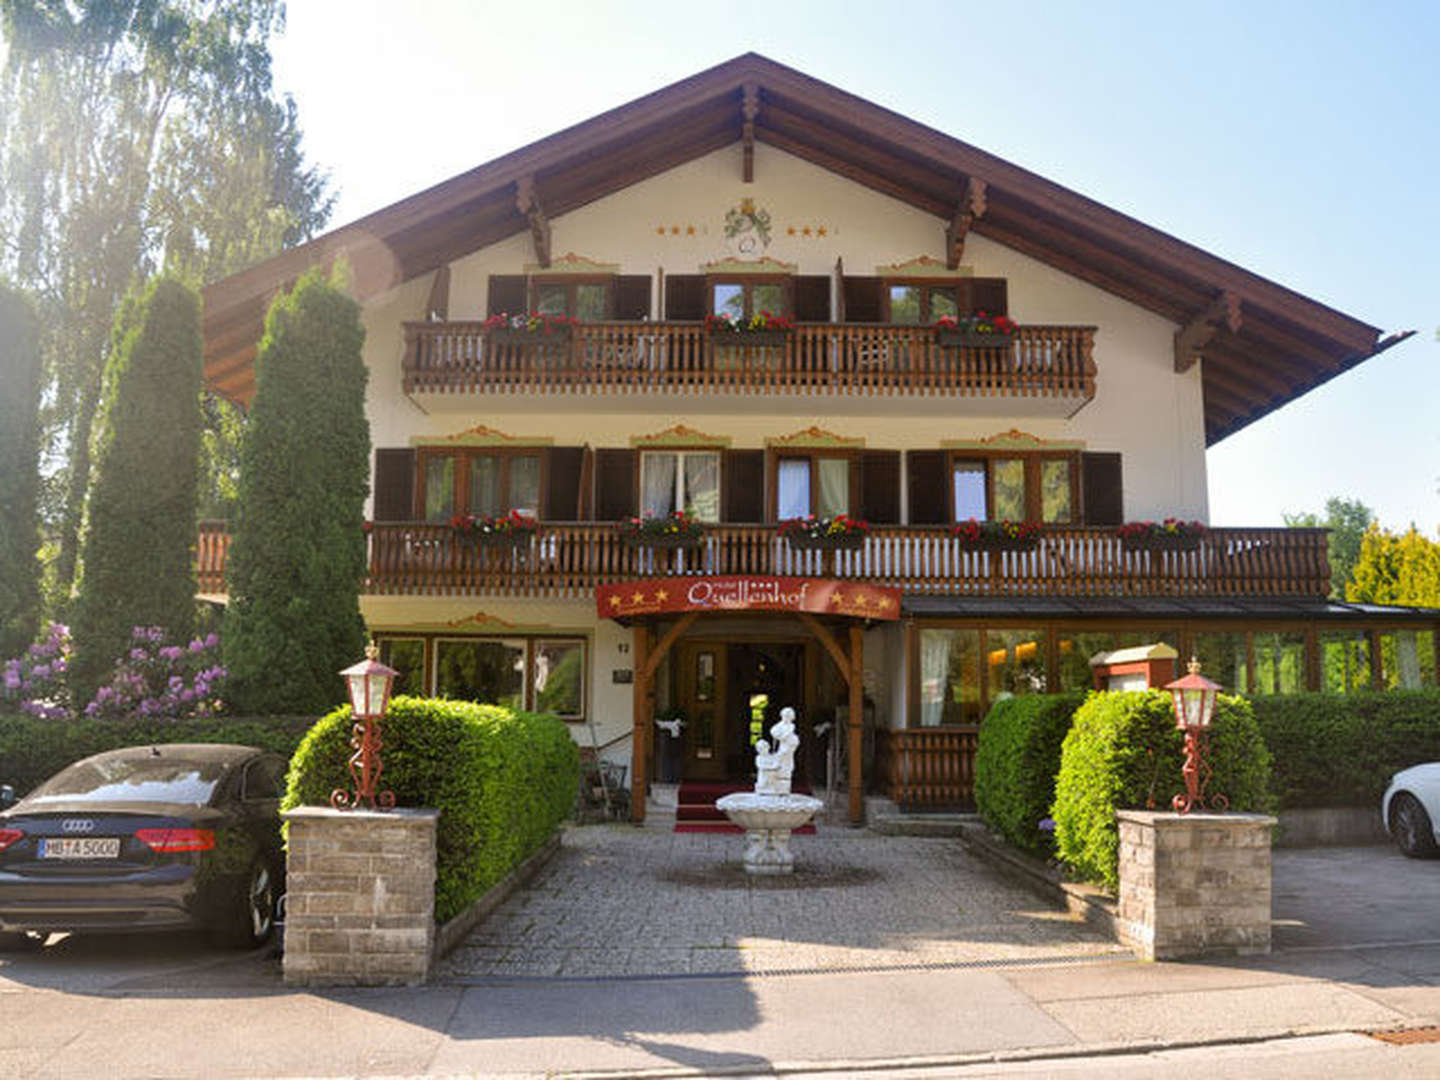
[[1194, 700], [369, 684]]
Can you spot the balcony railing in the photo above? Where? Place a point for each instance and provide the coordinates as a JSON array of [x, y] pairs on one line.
[[1069, 560], [1054, 362]]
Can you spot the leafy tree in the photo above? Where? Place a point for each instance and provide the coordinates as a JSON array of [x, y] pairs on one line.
[[19, 472], [1396, 569], [131, 132], [1347, 520], [137, 568], [297, 559]]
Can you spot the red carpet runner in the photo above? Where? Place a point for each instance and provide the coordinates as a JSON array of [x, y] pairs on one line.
[[695, 807]]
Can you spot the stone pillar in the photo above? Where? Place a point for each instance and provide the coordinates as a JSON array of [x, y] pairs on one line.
[[360, 897], [1194, 884]]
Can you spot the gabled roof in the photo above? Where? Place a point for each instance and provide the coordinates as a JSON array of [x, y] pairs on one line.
[[1263, 344]]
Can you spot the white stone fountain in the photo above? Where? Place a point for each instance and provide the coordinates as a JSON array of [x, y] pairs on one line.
[[771, 812]]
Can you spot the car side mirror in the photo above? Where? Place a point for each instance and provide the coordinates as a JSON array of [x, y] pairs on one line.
[[7, 796]]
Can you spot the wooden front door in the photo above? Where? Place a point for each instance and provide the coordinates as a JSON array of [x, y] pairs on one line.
[[702, 690]]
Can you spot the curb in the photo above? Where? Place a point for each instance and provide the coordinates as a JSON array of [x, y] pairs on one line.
[[452, 933]]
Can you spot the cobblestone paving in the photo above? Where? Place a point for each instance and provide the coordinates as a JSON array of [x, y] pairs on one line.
[[616, 900]]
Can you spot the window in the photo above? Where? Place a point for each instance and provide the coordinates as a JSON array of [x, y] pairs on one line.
[[686, 480], [488, 670], [1222, 659], [1023, 487], [746, 297], [949, 677], [490, 483], [540, 674], [921, 304], [813, 484], [1344, 661], [1015, 660], [557, 678], [407, 657], [1279, 663], [1075, 648], [586, 299]]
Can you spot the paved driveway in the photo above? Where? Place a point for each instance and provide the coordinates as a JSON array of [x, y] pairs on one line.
[[1347, 896], [617, 900]]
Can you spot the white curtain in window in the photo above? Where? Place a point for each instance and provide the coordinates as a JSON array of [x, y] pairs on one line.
[[934, 675], [702, 485], [657, 484], [834, 487], [793, 481]]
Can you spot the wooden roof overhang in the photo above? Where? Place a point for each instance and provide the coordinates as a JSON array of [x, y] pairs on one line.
[[1263, 345]]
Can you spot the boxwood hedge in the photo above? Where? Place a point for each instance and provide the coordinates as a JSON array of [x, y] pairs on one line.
[[502, 780], [1016, 764], [1124, 753]]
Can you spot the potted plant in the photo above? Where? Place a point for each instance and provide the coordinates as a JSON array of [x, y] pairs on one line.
[[522, 329], [762, 328], [1172, 534], [980, 331], [512, 530], [839, 533], [998, 535], [677, 529]]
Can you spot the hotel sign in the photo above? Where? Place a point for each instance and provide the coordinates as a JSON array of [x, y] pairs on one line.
[[818, 596]]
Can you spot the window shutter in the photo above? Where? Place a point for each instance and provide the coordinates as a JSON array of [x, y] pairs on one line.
[[812, 298], [928, 487], [744, 487], [395, 485], [562, 480], [1103, 491], [506, 295], [862, 299], [685, 298], [614, 485], [632, 297], [989, 295], [880, 486]]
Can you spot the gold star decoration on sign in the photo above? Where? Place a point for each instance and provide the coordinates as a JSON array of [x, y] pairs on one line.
[[614, 601], [661, 596], [638, 598]]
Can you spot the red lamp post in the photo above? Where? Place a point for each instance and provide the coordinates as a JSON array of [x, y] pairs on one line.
[[1194, 700], [369, 684]]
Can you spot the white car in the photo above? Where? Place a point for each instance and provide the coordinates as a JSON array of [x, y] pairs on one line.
[[1410, 809]]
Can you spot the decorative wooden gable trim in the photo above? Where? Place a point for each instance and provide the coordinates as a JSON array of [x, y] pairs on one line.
[[1191, 339], [481, 619], [571, 263], [527, 201], [677, 437], [814, 438], [972, 206], [765, 265], [480, 435], [437, 304], [923, 266], [749, 109], [1014, 439]]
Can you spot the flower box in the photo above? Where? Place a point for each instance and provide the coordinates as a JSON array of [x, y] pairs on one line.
[[800, 542], [971, 339], [1160, 543], [750, 339], [507, 540], [555, 336]]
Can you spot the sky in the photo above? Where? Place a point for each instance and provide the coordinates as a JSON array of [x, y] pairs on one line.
[[1298, 140]]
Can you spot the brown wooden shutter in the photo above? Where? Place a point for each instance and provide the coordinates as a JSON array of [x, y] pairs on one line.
[[1103, 493], [506, 295], [743, 474], [990, 295], [685, 298], [880, 486], [614, 485], [395, 485], [632, 297], [862, 300], [562, 482], [928, 486], [812, 298]]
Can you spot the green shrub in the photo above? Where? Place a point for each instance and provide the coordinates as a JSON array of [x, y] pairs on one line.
[[1123, 752], [32, 750], [501, 779], [19, 472], [1342, 749], [1016, 764]]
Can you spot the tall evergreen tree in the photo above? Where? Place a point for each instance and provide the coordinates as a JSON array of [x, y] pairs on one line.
[[19, 472], [297, 557], [137, 567]]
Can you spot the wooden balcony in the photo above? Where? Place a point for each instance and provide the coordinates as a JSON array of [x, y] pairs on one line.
[[1053, 366], [569, 560]]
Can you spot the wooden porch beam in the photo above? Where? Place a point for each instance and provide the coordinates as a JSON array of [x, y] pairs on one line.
[[438, 304], [749, 109], [527, 201], [641, 725], [856, 780], [972, 206], [828, 640], [671, 636], [1191, 339]]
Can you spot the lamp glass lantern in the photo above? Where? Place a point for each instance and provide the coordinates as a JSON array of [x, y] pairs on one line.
[[369, 683], [1194, 698]]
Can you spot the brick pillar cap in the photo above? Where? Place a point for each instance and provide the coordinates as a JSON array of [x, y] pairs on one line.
[[1168, 819], [407, 815]]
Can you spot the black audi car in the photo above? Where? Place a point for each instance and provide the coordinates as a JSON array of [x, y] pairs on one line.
[[147, 838]]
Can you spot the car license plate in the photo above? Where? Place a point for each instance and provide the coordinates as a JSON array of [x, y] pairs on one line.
[[80, 847]]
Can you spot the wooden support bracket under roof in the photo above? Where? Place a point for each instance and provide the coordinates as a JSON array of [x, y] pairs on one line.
[[972, 206], [527, 201], [438, 304], [1191, 339], [749, 109]]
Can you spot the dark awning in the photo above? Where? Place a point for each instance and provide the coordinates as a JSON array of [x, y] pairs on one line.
[[1158, 607]]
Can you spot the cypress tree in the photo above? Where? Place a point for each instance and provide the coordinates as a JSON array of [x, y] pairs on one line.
[[19, 472], [297, 553], [137, 568]]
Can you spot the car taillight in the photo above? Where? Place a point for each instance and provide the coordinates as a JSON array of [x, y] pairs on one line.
[[9, 836], [176, 839]]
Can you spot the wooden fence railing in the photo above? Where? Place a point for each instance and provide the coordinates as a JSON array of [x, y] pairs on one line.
[[866, 359], [927, 768], [1069, 560]]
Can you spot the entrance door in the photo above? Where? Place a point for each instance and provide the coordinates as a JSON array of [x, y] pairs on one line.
[[764, 678], [702, 686]]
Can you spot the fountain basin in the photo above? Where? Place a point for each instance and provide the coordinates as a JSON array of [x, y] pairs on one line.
[[768, 821]]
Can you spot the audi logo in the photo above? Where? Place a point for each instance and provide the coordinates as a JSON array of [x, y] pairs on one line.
[[77, 825]]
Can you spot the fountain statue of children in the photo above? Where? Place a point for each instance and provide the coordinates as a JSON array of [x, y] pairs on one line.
[[767, 770], [785, 743]]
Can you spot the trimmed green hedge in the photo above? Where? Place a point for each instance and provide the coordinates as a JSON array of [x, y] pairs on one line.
[[33, 750], [1016, 764], [1124, 753], [1342, 749], [501, 779]]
